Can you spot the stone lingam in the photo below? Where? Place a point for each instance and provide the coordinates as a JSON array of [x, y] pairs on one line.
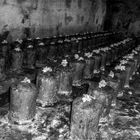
[[47, 83], [65, 81], [30, 56], [78, 66], [85, 118], [22, 102], [89, 66], [17, 59]]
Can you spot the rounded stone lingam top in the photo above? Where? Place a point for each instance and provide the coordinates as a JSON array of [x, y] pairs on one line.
[[22, 102]]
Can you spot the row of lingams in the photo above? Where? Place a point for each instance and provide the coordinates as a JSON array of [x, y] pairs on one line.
[[51, 84], [31, 53], [55, 85]]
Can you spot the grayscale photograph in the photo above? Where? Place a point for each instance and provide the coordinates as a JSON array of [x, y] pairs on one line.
[[69, 69]]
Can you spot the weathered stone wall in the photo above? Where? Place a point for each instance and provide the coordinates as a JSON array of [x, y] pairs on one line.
[[51, 17]]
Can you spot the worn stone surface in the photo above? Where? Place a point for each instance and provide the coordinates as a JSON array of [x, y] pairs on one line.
[[123, 122], [49, 17], [49, 123], [85, 118], [123, 15]]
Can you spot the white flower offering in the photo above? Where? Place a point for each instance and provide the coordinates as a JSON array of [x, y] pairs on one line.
[[64, 63], [77, 41], [96, 71], [47, 69], [60, 41], [81, 58], [102, 83], [19, 40], [79, 38], [4, 42], [112, 45], [119, 43], [120, 67], [73, 39], [131, 56], [96, 51], [67, 40], [120, 94], [29, 39], [138, 48], [111, 74], [17, 49], [125, 57], [38, 38], [55, 123], [124, 41], [105, 49], [26, 80], [123, 62], [135, 52], [76, 56], [41, 44], [84, 37], [87, 98], [30, 46], [130, 93], [89, 55]]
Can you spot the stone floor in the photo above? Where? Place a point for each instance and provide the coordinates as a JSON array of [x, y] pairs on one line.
[[123, 122], [48, 124]]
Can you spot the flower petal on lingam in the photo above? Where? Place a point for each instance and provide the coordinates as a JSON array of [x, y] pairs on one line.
[[47, 69]]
